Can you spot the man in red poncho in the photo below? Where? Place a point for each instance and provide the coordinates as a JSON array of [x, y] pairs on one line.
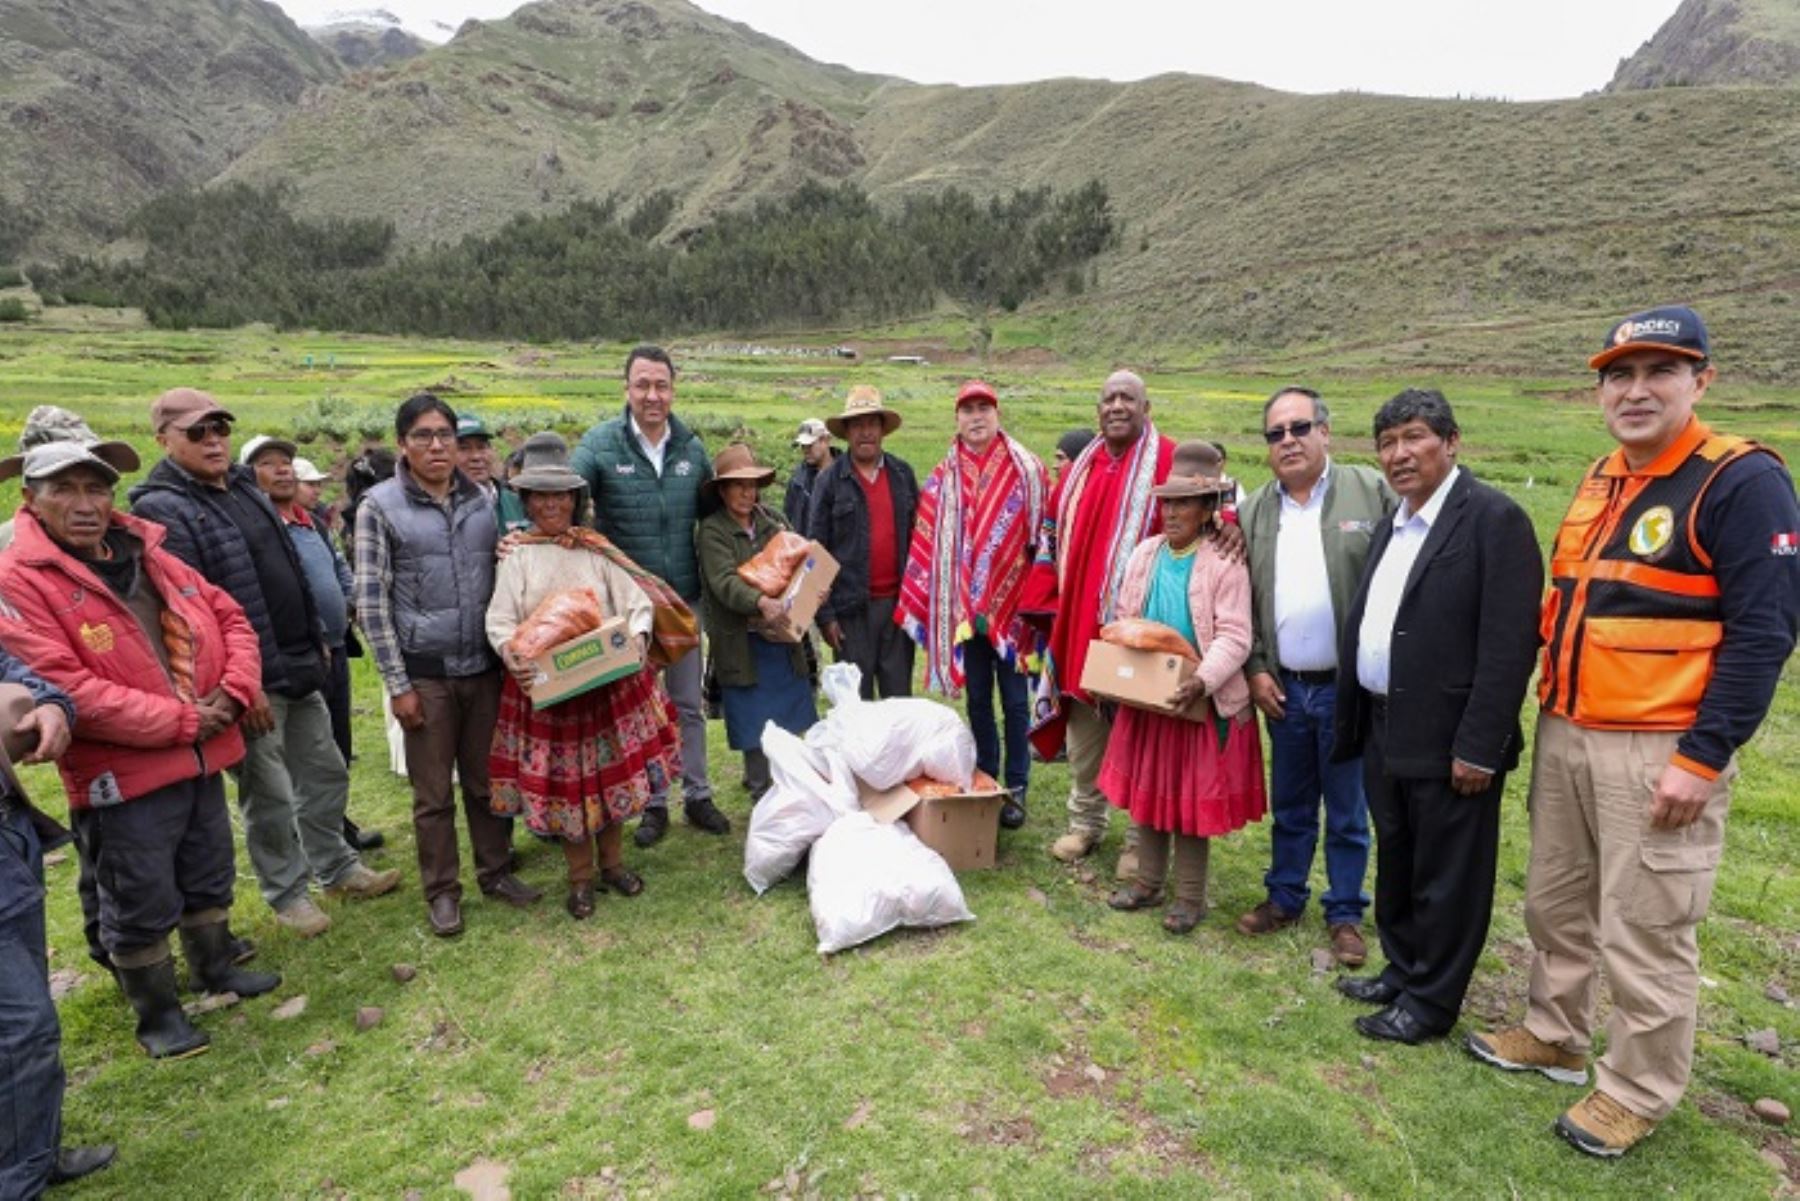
[[980, 514], [1098, 514]]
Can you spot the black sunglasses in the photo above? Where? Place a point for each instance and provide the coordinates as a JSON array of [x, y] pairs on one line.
[[200, 431], [1298, 428]]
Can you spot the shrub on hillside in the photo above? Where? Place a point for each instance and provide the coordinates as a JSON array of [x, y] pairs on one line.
[[11, 277], [13, 309]]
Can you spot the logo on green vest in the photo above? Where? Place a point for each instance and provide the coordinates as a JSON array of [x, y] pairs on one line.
[[1652, 531]]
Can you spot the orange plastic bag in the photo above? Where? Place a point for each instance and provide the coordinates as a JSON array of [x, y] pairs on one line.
[[566, 614], [772, 568], [1143, 635], [927, 788]]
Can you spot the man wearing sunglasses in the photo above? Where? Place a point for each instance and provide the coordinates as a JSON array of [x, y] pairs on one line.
[[293, 783], [1308, 531]]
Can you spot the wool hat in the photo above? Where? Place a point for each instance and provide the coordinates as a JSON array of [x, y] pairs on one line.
[[1196, 470], [1674, 328], [862, 401]]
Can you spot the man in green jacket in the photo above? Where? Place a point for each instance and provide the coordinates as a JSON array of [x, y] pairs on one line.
[[1308, 532], [643, 470]]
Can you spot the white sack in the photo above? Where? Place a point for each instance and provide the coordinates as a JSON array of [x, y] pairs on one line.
[[889, 742], [800, 807], [866, 878]]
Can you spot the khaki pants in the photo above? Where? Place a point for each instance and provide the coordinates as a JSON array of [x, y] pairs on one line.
[[1604, 885], [1086, 740]]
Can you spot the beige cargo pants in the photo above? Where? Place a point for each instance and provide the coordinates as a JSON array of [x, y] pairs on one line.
[[1603, 886]]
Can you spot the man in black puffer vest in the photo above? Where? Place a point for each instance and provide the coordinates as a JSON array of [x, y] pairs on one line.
[[293, 783]]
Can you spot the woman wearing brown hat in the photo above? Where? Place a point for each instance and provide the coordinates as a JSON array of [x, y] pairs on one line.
[[1190, 779], [580, 769], [760, 679]]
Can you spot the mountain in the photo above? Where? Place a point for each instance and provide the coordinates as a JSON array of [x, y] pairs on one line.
[[370, 38], [105, 103], [1718, 43]]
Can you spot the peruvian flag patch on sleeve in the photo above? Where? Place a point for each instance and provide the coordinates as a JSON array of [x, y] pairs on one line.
[[1785, 544]]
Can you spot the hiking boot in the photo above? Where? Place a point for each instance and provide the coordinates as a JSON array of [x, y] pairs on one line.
[[163, 1030], [1517, 1049], [304, 918], [704, 815], [1347, 945], [1266, 918], [1601, 1126], [208, 951], [363, 882], [651, 827], [1076, 844]]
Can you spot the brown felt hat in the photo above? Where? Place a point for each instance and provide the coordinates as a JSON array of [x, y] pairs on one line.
[[737, 462], [1196, 470], [862, 401]]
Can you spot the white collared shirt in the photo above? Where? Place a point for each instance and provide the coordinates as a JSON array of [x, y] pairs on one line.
[[1305, 629], [653, 452], [1374, 643]]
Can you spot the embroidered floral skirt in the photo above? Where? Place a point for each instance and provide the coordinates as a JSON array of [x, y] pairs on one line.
[[1202, 778], [593, 760]]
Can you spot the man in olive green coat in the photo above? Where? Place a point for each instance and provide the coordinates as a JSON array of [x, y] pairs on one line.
[[643, 470]]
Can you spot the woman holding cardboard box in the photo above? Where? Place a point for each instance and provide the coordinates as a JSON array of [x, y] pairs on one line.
[[580, 768], [759, 658], [1199, 774]]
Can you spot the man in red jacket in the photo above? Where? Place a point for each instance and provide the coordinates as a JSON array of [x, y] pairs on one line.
[[160, 665]]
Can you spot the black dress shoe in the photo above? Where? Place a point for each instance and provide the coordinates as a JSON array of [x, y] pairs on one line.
[[704, 815], [1395, 1025], [651, 827], [446, 916], [72, 1163], [1371, 990], [1012, 813], [514, 892]]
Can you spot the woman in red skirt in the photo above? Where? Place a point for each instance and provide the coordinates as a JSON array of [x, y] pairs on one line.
[[1192, 780], [581, 768]]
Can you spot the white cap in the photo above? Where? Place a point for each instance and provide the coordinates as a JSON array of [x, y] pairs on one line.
[[306, 473], [262, 442]]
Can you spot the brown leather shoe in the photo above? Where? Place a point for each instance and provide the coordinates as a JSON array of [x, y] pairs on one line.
[[581, 901], [1266, 918], [514, 892], [445, 913], [1347, 945]]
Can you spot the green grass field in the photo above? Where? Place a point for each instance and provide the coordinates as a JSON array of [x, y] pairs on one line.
[[1052, 1048]]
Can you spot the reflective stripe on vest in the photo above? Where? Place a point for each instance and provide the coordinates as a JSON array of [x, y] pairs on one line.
[[1631, 623]]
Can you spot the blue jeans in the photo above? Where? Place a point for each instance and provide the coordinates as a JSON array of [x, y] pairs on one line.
[[983, 667], [31, 1074], [1300, 773]]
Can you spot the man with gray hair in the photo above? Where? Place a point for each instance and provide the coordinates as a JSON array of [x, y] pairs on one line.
[[45, 424], [1308, 532]]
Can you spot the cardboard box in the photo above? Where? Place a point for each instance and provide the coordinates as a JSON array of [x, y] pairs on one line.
[[585, 663], [812, 579], [1141, 679], [964, 828]]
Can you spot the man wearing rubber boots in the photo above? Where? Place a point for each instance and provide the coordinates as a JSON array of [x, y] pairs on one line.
[[1673, 605]]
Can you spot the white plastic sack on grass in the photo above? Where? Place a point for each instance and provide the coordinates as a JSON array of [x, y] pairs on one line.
[[800, 807], [842, 684], [889, 742], [866, 878]]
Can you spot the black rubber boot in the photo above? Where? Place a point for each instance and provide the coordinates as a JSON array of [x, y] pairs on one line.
[[243, 950], [210, 952], [162, 1029]]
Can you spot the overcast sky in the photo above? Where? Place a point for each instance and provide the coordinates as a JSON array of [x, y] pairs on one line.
[[1521, 49]]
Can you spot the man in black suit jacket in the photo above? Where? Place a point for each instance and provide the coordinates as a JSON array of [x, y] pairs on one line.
[[1437, 650]]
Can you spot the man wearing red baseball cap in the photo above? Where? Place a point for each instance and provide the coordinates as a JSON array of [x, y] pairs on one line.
[[973, 543], [1673, 606]]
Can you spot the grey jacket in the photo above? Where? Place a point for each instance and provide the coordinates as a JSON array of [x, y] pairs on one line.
[[1356, 502]]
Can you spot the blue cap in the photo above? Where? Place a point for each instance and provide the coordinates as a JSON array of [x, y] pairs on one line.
[[1674, 328]]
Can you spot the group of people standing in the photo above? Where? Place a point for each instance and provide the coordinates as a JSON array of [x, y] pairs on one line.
[[1385, 624]]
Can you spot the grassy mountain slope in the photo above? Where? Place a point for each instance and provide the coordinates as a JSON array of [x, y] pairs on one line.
[[1709, 43], [104, 103], [367, 43]]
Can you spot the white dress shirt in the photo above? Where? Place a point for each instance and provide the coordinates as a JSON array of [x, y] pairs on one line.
[[1374, 643], [1305, 630], [654, 452]]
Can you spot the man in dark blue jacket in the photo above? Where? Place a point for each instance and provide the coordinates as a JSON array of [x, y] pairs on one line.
[[643, 470], [35, 720]]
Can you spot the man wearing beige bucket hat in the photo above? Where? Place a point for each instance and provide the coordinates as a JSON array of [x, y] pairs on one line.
[[862, 512]]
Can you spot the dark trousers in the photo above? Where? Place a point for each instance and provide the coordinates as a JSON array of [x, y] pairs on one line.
[[337, 699], [460, 714], [1436, 852], [156, 857], [1301, 773], [879, 648], [983, 668], [31, 1074]]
